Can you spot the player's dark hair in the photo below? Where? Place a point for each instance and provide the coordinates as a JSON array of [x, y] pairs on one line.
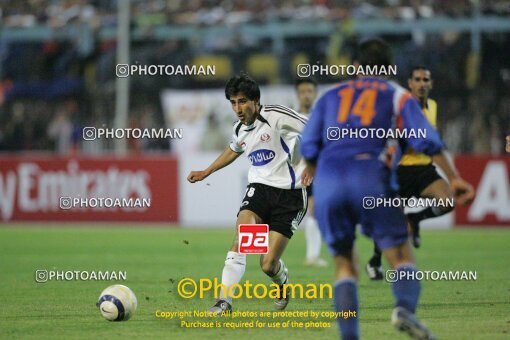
[[374, 52], [242, 83], [417, 68], [306, 80]]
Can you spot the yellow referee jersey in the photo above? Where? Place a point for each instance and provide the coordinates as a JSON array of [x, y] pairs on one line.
[[412, 157]]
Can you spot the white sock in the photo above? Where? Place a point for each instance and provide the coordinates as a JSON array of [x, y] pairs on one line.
[[313, 238], [235, 265], [280, 277]]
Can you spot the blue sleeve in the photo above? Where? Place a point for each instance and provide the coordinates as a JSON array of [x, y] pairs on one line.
[[412, 118], [312, 134]]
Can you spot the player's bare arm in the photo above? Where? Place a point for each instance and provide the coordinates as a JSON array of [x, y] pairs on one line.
[[464, 192], [226, 158]]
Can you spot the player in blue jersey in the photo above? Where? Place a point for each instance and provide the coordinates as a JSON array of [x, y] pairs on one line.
[[351, 171]]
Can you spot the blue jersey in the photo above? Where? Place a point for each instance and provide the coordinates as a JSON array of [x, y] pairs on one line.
[[369, 104], [355, 169]]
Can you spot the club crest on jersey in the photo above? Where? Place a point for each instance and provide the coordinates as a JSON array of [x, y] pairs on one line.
[[265, 137], [261, 157]]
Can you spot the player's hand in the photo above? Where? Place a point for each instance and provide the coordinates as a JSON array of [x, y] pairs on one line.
[[307, 176], [197, 176], [463, 191], [507, 143]]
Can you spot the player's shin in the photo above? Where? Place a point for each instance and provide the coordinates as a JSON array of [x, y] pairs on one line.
[[235, 266], [281, 275], [346, 300], [406, 287]]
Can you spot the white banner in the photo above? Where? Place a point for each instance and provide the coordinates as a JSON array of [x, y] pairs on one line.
[[215, 201]]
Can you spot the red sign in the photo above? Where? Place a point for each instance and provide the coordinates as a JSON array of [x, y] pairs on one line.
[[253, 238], [137, 189], [490, 177]]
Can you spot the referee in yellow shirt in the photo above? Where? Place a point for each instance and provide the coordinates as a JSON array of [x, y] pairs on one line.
[[416, 175]]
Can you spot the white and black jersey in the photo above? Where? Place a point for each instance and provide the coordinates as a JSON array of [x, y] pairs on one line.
[[272, 144]]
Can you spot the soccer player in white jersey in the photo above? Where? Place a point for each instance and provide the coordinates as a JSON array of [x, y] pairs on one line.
[[276, 195], [306, 90]]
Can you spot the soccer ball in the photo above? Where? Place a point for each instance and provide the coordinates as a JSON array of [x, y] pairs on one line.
[[117, 303]]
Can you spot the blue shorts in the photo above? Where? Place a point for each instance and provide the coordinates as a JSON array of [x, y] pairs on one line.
[[340, 188]]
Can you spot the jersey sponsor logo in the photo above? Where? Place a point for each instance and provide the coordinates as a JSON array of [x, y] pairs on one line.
[[261, 157], [265, 137]]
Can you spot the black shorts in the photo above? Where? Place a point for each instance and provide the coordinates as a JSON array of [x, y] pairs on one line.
[[413, 179], [309, 190], [282, 209]]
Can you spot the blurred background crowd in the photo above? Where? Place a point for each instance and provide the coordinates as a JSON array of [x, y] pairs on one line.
[[57, 61], [58, 13]]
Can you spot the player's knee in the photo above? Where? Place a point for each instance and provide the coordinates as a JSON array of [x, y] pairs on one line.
[[269, 265], [248, 217]]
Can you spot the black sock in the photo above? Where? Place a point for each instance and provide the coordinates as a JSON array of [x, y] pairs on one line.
[[375, 261]]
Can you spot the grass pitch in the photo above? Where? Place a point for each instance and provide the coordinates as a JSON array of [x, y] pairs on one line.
[[156, 258]]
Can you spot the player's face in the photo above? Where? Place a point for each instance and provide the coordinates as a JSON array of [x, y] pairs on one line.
[[306, 93], [245, 109], [420, 83]]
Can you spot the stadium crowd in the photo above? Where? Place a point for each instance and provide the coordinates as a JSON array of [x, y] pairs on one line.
[[57, 13], [50, 90]]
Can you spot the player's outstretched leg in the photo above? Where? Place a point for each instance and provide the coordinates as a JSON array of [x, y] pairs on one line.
[[440, 190], [406, 289], [234, 269], [346, 294], [274, 267], [235, 266], [374, 266]]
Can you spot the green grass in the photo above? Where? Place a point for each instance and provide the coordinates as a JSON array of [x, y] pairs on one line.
[[153, 256]]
